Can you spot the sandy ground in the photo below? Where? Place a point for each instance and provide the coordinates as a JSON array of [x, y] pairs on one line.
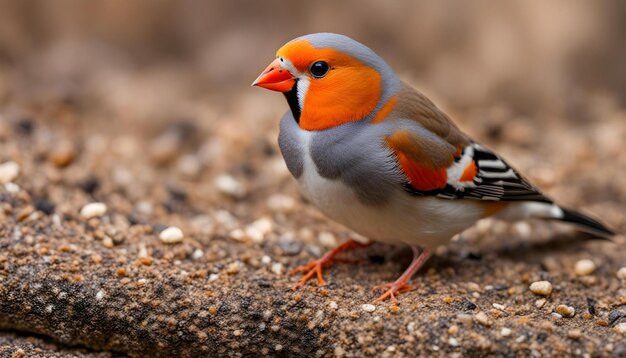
[[209, 165]]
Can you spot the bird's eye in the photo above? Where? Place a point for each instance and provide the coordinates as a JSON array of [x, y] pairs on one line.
[[319, 69]]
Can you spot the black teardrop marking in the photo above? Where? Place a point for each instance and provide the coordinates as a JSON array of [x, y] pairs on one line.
[[292, 100]]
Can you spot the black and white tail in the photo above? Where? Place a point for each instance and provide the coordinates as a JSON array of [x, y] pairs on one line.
[[586, 224]]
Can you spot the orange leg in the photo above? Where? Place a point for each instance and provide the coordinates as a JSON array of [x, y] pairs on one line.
[[315, 266], [401, 284]]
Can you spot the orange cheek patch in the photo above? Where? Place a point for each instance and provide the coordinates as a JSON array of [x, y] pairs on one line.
[[469, 173], [422, 178], [349, 92], [344, 95]]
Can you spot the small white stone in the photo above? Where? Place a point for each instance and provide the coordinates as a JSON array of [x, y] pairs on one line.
[[368, 307], [499, 306], [229, 185], [93, 210], [621, 273], [584, 267], [213, 277], [100, 295], [11, 187], [327, 239], [391, 349], [621, 328], [257, 230], [197, 254], [453, 342], [9, 172], [543, 288], [333, 305], [505, 332], [410, 327], [279, 347], [171, 235], [277, 268], [266, 260], [556, 315]]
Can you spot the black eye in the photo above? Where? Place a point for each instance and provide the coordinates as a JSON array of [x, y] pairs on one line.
[[319, 69]]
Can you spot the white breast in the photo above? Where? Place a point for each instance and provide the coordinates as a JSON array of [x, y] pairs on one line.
[[403, 219]]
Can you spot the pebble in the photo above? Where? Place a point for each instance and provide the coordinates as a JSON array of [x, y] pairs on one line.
[[621, 328], [9, 172], [228, 185], [258, 229], [107, 242], [277, 268], [505, 332], [333, 305], [543, 288], [197, 254], [290, 247], [266, 260], [540, 302], [621, 273], [93, 210], [584, 267], [482, 318], [233, 268], [213, 277], [368, 307], [327, 239], [499, 306], [63, 155], [574, 334], [12, 187], [565, 311], [171, 235]]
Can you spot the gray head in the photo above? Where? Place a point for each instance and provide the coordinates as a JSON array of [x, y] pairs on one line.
[[330, 79]]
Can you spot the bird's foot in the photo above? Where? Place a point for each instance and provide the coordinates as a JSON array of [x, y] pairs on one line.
[[315, 266], [393, 289], [402, 283]]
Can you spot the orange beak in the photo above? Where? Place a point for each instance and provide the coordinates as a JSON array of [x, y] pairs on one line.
[[276, 78]]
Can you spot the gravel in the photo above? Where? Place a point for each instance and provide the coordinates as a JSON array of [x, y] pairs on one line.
[[171, 235], [584, 267], [93, 210], [9, 171], [543, 288]]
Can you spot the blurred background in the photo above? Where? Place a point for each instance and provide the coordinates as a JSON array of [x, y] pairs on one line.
[[169, 82], [529, 56]]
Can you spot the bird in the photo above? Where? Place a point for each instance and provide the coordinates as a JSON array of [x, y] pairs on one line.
[[377, 156]]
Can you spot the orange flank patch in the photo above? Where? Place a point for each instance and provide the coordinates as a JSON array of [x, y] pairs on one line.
[[348, 92], [421, 178], [469, 173], [459, 151], [384, 112]]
